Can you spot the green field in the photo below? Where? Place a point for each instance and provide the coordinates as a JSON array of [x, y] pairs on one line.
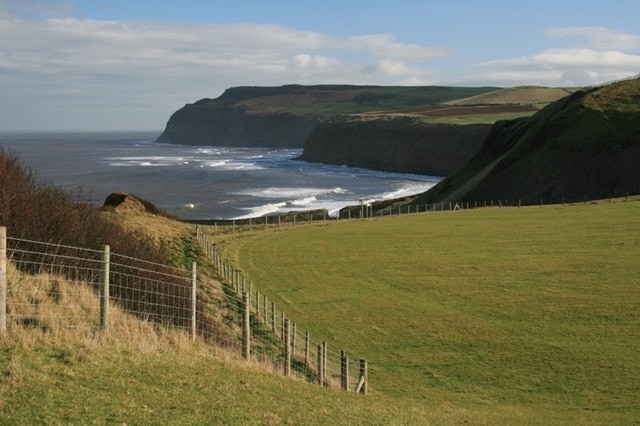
[[503, 313]]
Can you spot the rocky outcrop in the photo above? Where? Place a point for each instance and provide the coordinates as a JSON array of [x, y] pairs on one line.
[[397, 145]]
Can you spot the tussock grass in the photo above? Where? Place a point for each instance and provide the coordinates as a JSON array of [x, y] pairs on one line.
[[46, 308]]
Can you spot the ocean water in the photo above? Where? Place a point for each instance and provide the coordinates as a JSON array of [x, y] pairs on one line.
[[202, 182]]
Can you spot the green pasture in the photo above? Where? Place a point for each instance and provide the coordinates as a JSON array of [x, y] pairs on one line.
[[387, 98], [533, 311], [477, 118]]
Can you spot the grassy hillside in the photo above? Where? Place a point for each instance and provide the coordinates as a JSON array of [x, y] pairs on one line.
[[584, 145], [140, 374], [525, 313]]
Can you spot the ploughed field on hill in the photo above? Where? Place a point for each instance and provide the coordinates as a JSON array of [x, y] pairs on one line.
[[530, 310]]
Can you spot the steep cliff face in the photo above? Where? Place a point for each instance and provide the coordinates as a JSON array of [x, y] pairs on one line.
[[284, 116], [397, 145], [585, 145], [211, 122]]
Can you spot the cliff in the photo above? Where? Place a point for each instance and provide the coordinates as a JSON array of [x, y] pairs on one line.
[[284, 116], [397, 145], [584, 145], [208, 122]]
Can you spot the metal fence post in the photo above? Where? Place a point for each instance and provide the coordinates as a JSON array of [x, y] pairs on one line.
[[104, 287]]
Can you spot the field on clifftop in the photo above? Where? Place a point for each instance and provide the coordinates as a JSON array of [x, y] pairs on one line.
[[521, 313]]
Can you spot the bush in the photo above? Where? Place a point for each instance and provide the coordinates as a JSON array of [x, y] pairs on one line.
[[36, 212]]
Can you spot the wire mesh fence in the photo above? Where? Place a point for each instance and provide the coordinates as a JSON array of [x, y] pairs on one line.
[[276, 339], [80, 285]]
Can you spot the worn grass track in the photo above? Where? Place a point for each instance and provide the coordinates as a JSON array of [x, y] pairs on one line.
[[533, 309]]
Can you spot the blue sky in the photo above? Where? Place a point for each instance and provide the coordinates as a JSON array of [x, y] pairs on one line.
[[128, 64]]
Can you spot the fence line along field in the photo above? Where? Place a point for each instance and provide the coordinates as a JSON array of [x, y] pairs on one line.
[[530, 310]]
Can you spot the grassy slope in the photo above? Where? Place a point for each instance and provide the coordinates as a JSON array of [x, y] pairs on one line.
[[47, 383], [499, 311], [137, 374], [585, 144], [491, 316]]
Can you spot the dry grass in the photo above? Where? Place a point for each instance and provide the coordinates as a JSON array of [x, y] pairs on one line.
[[161, 229], [515, 95], [48, 308]]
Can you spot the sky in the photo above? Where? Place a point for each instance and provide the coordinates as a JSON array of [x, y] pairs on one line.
[[129, 64]]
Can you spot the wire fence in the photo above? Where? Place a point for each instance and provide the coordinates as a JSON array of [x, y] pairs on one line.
[[276, 339], [82, 285]]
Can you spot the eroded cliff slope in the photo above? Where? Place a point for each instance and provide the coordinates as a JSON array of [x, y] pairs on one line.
[[586, 145], [397, 145]]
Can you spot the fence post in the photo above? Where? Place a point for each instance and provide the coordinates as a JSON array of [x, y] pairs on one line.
[[265, 312], [306, 348], [344, 370], [194, 282], [273, 317], [320, 365], [324, 362], [104, 287], [287, 347], [363, 385], [294, 331], [282, 326], [3, 281], [246, 330]]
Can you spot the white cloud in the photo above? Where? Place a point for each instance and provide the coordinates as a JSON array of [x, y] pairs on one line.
[[597, 56], [386, 46], [131, 65], [599, 38]]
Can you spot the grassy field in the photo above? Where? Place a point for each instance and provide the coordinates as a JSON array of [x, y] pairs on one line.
[[137, 373], [141, 374], [527, 313], [492, 316]]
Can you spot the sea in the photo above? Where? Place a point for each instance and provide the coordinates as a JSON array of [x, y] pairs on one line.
[[201, 182]]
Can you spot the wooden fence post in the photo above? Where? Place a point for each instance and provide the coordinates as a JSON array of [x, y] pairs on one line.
[[265, 312], [273, 317], [194, 282], [287, 347], [246, 327], [344, 370], [320, 365], [104, 287], [363, 384], [3, 281], [306, 348], [282, 325], [324, 361], [294, 331]]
